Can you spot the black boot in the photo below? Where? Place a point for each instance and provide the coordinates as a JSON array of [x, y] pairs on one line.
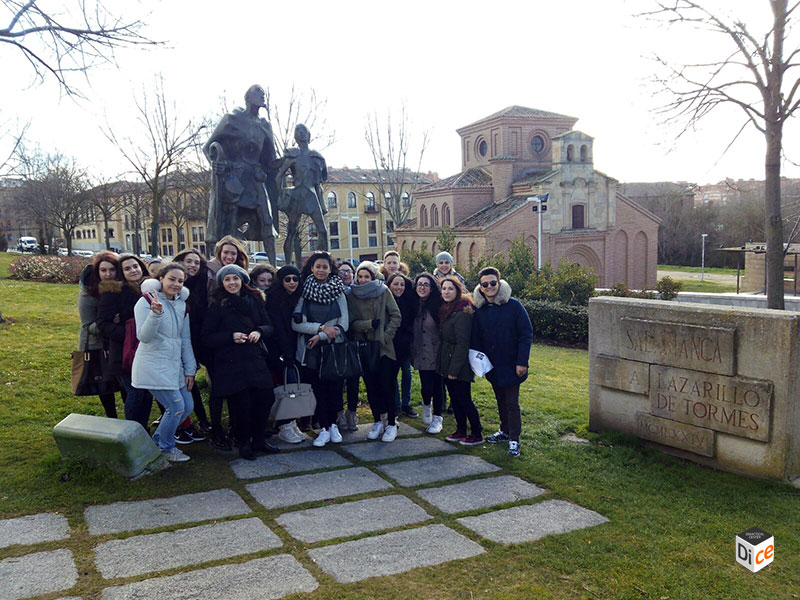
[[246, 452]]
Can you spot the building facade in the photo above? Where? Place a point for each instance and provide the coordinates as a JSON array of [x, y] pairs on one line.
[[519, 153]]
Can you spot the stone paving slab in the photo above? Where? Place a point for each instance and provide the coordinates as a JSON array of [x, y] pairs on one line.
[[159, 512], [480, 493], [292, 462], [394, 552], [351, 518], [317, 486], [377, 450], [161, 551], [403, 430], [531, 522], [32, 529], [259, 579], [347, 436], [35, 574], [436, 468]]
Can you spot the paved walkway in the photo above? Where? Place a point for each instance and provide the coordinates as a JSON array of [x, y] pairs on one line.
[[311, 493]]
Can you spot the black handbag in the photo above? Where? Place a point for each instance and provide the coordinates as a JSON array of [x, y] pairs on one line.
[[369, 353], [339, 361], [91, 374]]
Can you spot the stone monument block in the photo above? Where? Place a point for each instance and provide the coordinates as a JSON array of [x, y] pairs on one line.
[[715, 384]]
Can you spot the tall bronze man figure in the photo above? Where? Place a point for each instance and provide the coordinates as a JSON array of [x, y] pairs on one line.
[[243, 163]]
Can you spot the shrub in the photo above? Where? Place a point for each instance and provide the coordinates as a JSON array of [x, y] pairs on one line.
[[419, 261], [558, 321], [668, 288], [622, 291], [48, 269]]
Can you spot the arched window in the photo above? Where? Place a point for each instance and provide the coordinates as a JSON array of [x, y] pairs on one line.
[[570, 152], [351, 199], [406, 199], [577, 216], [331, 200], [423, 216], [445, 215], [370, 201], [584, 153], [435, 216]]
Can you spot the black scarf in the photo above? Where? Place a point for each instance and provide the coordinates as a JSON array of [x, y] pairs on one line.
[[323, 293]]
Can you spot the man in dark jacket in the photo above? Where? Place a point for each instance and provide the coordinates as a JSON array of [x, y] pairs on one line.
[[502, 331]]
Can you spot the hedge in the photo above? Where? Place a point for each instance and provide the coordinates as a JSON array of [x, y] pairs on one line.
[[558, 321]]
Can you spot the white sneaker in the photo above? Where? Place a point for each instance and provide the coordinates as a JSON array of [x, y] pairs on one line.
[[390, 434], [323, 438], [336, 437], [288, 435], [427, 413], [303, 437], [175, 455], [435, 426], [376, 431]]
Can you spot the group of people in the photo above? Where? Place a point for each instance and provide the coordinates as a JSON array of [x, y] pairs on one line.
[[255, 329]]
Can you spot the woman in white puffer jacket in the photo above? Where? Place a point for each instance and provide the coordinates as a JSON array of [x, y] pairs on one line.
[[164, 363]]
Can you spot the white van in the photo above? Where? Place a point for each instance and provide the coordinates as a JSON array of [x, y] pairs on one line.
[[27, 244]]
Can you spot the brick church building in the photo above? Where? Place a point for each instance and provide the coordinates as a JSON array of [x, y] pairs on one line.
[[521, 152]]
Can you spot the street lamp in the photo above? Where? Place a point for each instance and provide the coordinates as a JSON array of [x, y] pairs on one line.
[[703, 237], [541, 206]]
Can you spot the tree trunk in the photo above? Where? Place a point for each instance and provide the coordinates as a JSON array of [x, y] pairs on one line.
[[105, 232]]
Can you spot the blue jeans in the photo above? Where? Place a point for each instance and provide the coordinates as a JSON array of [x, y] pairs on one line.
[[138, 402], [405, 387], [177, 405]]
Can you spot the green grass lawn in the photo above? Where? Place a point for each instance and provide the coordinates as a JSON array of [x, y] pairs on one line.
[[683, 269], [713, 287], [672, 523]]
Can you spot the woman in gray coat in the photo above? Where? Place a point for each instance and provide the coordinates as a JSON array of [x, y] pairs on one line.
[[164, 363], [105, 267]]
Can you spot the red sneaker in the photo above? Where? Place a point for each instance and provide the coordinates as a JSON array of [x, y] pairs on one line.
[[456, 436], [472, 440]]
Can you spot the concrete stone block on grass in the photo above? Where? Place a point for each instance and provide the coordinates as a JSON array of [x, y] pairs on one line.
[[531, 522], [193, 546], [351, 518], [394, 552], [35, 574], [437, 468], [377, 450], [291, 462], [317, 486], [259, 579], [480, 493], [32, 529], [160, 512]]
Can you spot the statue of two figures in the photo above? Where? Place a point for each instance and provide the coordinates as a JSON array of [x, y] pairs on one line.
[[248, 182]]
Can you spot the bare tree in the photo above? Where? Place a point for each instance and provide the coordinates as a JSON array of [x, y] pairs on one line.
[[54, 193], [301, 107], [104, 196], [390, 148], [73, 38], [136, 204], [750, 75], [165, 142], [184, 199]]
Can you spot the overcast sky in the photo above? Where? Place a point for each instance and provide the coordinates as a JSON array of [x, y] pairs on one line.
[[452, 63]]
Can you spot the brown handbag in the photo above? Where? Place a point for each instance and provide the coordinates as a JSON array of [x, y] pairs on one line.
[[91, 373]]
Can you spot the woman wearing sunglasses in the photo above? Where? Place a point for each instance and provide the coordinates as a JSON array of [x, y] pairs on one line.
[[502, 330]]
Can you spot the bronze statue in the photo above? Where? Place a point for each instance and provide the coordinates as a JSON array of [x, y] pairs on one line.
[[308, 171], [244, 194]]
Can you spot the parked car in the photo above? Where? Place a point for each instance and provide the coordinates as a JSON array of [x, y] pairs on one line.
[[62, 252], [259, 257], [27, 244]]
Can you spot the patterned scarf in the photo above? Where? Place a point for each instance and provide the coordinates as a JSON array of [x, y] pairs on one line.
[[324, 293]]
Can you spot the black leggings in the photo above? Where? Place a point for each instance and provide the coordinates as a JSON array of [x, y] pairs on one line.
[[199, 409], [109, 402], [463, 408], [432, 390], [327, 395], [380, 389], [251, 408]]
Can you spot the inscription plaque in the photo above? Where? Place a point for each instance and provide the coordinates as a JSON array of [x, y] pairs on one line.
[[675, 434], [621, 374], [709, 349], [735, 405]]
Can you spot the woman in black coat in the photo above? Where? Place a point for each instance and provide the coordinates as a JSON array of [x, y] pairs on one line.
[[282, 297], [117, 299], [235, 324]]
